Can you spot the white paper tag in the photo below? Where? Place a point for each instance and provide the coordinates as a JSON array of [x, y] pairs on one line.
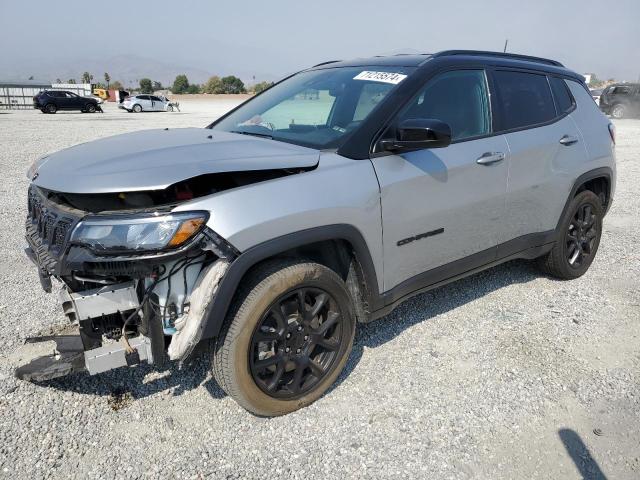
[[385, 77]]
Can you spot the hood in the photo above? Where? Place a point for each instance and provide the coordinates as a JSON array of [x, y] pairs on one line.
[[156, 159]]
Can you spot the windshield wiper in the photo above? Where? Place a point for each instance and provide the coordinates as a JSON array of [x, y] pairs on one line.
[[254, 134]]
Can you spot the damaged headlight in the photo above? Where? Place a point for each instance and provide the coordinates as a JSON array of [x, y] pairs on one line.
[[137, 233]]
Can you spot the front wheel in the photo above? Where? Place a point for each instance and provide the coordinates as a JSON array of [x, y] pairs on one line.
[[90, 108], [286, 339], [578, 238], [619, 111]]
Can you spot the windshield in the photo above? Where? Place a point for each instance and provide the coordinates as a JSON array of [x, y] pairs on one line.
[[316, 108]]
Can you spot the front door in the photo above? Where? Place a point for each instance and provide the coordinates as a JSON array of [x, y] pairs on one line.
[[444, 205]]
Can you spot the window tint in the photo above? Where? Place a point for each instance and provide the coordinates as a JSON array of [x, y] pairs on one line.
[[458, 98], [525, 99], [620, 90], [561, 94], [155, 99]]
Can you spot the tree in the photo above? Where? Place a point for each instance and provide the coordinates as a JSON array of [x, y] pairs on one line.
[[71, 80], [87, 77], [107, 78], [58, 80], [193, 88], [117, 85], [157, 85], [232, 84], [213, 85], [180, 84], [261, 86], [146, 86]]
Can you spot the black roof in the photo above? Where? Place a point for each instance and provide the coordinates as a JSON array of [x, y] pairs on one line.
[[492, 58]]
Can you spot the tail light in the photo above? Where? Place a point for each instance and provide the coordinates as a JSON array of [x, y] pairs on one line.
[[612, 132]]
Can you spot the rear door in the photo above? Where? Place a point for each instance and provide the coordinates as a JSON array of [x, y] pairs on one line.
[[545, 149], [440, 205], [144, 101]]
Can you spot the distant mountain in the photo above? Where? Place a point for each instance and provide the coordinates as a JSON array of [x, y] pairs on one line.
[[128, 69]]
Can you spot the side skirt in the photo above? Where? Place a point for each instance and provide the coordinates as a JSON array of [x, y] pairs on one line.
[[526, 247]]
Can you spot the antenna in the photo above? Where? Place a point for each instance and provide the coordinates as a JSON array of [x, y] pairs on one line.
[[506, 42]]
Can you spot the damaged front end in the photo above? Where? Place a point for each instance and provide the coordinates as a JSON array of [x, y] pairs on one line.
[[137, 284]]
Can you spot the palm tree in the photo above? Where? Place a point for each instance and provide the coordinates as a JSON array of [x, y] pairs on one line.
[[107, 78]]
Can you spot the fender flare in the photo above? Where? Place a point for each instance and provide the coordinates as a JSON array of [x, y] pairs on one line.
[[605, 172], [252, 256]]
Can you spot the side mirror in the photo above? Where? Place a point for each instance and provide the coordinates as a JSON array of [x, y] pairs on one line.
[[419, 133]]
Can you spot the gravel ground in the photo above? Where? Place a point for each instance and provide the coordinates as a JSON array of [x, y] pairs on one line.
[[507, 374]]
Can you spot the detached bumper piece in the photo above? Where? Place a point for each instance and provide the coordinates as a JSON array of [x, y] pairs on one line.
[[60, 355]]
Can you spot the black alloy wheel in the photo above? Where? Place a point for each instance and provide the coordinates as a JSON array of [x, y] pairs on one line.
[[51, 108], [581, 236], [296, 343], [578, 238]]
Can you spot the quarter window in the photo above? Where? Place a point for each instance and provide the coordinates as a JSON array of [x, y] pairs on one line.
[[525, 99], [561, 94], [458, 98]]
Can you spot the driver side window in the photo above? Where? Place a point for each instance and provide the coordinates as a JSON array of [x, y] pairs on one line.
[[459, 98]]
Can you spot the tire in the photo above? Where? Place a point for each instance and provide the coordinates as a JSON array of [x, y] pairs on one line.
[[578, 238], [295, 342], [90, 108], [619, 111], [50, 108], [137, 108]]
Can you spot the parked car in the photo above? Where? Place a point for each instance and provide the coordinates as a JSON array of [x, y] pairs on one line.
[[621, 100], [595, 94], [148, 103], [50, 101], [278, 228]]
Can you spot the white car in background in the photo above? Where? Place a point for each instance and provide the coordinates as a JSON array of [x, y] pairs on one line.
[[148, 103]]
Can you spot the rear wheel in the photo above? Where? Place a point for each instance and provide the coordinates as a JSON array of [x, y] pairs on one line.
[[578, 238], [619, 111], [287, 339], [137, 108], [50, 108]]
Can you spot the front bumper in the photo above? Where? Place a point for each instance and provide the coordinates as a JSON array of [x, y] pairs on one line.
[[124, 306]]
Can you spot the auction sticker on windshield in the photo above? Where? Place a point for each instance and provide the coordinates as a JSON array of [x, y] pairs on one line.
[[385, 77]]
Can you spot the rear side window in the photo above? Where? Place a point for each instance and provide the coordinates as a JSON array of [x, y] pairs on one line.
[[561, 94], [525, 99]]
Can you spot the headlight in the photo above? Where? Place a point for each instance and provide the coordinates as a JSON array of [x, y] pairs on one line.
[[138, 233]]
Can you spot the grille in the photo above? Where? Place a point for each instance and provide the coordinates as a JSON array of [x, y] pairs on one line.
[[47, 230]]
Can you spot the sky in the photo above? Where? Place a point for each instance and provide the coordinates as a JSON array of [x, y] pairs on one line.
[[268, 39]]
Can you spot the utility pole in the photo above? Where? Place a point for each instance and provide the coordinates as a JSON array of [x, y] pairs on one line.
[[505, 45]]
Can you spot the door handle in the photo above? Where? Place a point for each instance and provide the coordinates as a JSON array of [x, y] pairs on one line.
[[489, 158], [568, 140]]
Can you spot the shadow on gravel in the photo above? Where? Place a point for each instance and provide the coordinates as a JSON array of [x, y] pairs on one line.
[[131, 382], [425, 306], [143, 380], [581, 456]]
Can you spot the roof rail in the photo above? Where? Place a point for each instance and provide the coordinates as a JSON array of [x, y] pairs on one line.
[[515, 56], [326, 63]]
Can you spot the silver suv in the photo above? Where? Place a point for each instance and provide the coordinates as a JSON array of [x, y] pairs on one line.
[[322, 202]]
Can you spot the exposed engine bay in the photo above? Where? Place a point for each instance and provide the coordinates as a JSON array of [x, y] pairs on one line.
[[129, 306]]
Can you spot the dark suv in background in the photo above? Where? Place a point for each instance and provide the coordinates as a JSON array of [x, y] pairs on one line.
[[50, 101], [621, 100]]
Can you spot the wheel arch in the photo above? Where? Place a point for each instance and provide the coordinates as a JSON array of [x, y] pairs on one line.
[[340, 247], [599, 181]]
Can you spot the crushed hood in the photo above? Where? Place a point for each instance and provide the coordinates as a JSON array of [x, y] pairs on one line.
[[156, 159]]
